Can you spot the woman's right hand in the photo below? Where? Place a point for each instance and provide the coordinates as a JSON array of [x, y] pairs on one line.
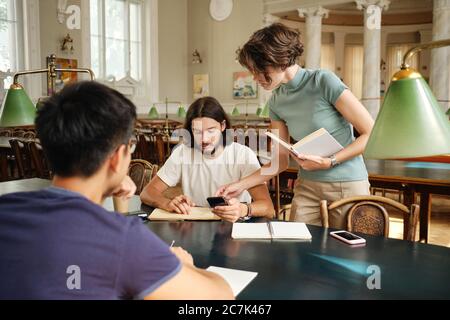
[[181, 204], [232, 190]]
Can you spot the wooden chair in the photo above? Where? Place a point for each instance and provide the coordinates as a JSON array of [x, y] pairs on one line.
[[22, 158], [152, 147], [29, 135], [368, 215], [39, 160], [6, 133], [141, 172]]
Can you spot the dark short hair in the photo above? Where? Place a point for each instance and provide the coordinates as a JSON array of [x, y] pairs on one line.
[[81, 125], [207, 107], [276, 46]]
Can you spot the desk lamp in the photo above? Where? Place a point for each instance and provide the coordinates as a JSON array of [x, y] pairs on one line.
[[17, 109], [411, 124]]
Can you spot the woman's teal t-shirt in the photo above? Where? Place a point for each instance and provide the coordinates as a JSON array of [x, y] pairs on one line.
[[306, 104]]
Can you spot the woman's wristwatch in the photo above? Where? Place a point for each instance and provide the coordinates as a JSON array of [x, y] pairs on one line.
[[333, 160]]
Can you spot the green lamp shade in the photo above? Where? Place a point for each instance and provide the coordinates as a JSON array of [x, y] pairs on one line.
[[411, 123], [153, 114], [259, 110], [18, 110], [181, 112], [235, 112], [265, 112]]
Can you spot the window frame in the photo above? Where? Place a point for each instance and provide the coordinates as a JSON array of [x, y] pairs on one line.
[[148, 87], [29, 43]]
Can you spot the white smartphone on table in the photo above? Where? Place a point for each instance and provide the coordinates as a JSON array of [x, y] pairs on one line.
[[347, 237]]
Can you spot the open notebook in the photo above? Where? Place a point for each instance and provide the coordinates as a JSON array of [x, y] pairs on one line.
[[271, 230], [319, 143], [197, 213], [237, 279]]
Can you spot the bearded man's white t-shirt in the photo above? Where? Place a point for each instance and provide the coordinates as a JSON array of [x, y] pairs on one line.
[[201, 177]]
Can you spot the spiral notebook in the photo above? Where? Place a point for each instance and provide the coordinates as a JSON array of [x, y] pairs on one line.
[[271, 230]]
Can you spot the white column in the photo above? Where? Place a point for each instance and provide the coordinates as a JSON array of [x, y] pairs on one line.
[[264, 95], [440, 58], [372, 38], [339, 52], [384, 77], [313, 34], [424, 68]]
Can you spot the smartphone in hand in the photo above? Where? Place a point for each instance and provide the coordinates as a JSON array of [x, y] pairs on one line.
[[347, 237], [217, 201]]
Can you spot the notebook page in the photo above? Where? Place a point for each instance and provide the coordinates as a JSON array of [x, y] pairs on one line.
[[197, 213], [250, 231], [237, 279], [290, 230]]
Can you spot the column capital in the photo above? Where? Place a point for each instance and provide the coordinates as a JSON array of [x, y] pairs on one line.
[[441, 5], [268, 19], [318, 11], [425, 34], [363, 4]]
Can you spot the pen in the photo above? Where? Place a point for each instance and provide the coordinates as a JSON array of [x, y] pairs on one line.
[[173, 242]]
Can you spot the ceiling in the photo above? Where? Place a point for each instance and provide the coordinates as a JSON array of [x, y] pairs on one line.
[[400, 12]]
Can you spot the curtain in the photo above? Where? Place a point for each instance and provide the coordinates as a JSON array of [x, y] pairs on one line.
[[327, 57], [353, 71], [394, 58]]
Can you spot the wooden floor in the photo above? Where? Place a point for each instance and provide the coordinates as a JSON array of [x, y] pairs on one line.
[[439, 227]]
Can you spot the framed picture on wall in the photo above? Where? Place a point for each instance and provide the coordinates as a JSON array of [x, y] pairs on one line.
[[64, 78], [201, 86], [244, 87]]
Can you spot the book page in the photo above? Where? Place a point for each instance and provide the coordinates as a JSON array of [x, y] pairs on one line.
[[197, 213], [323, 145], [280, 141], [250, 231], [237, 279], [290, 230], [310, 137]]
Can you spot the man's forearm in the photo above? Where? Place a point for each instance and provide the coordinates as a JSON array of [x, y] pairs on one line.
[[262, 208], [155, 200]]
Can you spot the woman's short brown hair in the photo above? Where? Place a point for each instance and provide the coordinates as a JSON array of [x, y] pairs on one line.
[[276, 46]]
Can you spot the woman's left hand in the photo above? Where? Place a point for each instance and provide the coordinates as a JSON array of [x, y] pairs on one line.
[[232, 212], [312, 163]]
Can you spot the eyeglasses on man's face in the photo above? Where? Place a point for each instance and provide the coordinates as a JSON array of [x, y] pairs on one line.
[[132, 145]]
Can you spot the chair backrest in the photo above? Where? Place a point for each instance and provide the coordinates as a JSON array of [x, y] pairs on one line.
[[39, 160], [141, 172], [6, 133], [152, 147], [29, 135], [368, 215], [23, 159]]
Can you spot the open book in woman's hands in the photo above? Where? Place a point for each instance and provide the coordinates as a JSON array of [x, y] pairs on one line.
[[319, 143]]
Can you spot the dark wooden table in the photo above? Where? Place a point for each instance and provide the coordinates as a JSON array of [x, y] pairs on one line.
[[411, 178], [34, 184], [324, 268]]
